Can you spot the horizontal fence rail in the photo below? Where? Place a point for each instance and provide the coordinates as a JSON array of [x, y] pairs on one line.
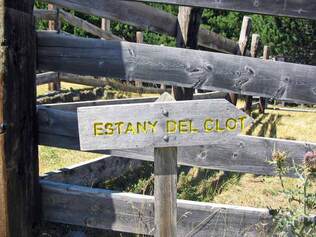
[[293, 8], [178, 67], [133, 213], [245, 154], [147, 18]]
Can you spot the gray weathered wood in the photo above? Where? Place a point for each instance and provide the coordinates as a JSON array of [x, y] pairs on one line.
[[293, 8], [242, 43], [187, 68], [101, 82], [244, 154], [46, 77], [19, 187], [87, 26], [127, 212], [145, 18], [165, 171], [162, 124], [44, 14], [254, 50], [262, 100], [187, 37], [94, 171]]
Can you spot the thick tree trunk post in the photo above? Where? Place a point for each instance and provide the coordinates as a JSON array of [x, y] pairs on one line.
[[54, 25], [243, 40], [254, 50], [189, 19], [140, 40], [165, 186], [262, 101], [19, 196]]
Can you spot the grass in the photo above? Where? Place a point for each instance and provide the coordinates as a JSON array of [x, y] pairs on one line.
[[43, 89]]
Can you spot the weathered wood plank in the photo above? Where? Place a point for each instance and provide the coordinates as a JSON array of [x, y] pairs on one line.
[[244, 154], [165, 186], [159, 124], [87, 26], [145, 17], [46, 77], [91, 172], [19, 186], [293, 8], [127, 212], [44, 14], [100, 82], [187, 68]]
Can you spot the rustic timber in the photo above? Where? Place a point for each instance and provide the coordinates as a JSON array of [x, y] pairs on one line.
[[101, 82], [262, 100], [140, 40], [179, 67], [87, 26], [293, 8], [165, 186], [44, 14], [187, 37], [160, 124], [19, 189], [46, 77], [244, 154], [72, 106], [243, 40], [94, 171], [133, 213], [254, 50], [54, 25], [145, 17]]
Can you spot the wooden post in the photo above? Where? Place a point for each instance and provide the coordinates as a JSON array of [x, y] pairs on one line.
[[254, 50], [106, 24], [19, 197], [243, 40], [140, 40], [187, 37], [165, 170], [262, 101], [54, 25]]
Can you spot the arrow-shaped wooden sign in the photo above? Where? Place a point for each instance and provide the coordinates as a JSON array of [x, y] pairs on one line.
[[160, 124]]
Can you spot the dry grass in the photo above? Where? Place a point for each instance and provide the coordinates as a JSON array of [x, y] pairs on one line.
[[43, 89]]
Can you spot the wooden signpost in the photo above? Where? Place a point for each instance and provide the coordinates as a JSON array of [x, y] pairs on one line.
[[164, 125]]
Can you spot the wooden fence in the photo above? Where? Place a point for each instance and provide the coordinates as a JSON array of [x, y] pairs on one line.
[[64, 198]]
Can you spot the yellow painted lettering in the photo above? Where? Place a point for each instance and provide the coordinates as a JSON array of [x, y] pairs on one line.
[[97, 129], [171, 126], [242, 122], [109, 130], [130, 129], [183, 126], [218, 126], [192, 128], [119, 126], [153, 126], [231, 124], [208, 125], [141, 127]]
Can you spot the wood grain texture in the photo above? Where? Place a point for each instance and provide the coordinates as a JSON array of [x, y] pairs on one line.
[[168, 130], [87, 26], [127, 212], [180, 67], [46, 77], [244, 154], [101, 82], [145, 17], [44, 14], [72, 106], [18, 139], [94, 171], [293, 8]]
